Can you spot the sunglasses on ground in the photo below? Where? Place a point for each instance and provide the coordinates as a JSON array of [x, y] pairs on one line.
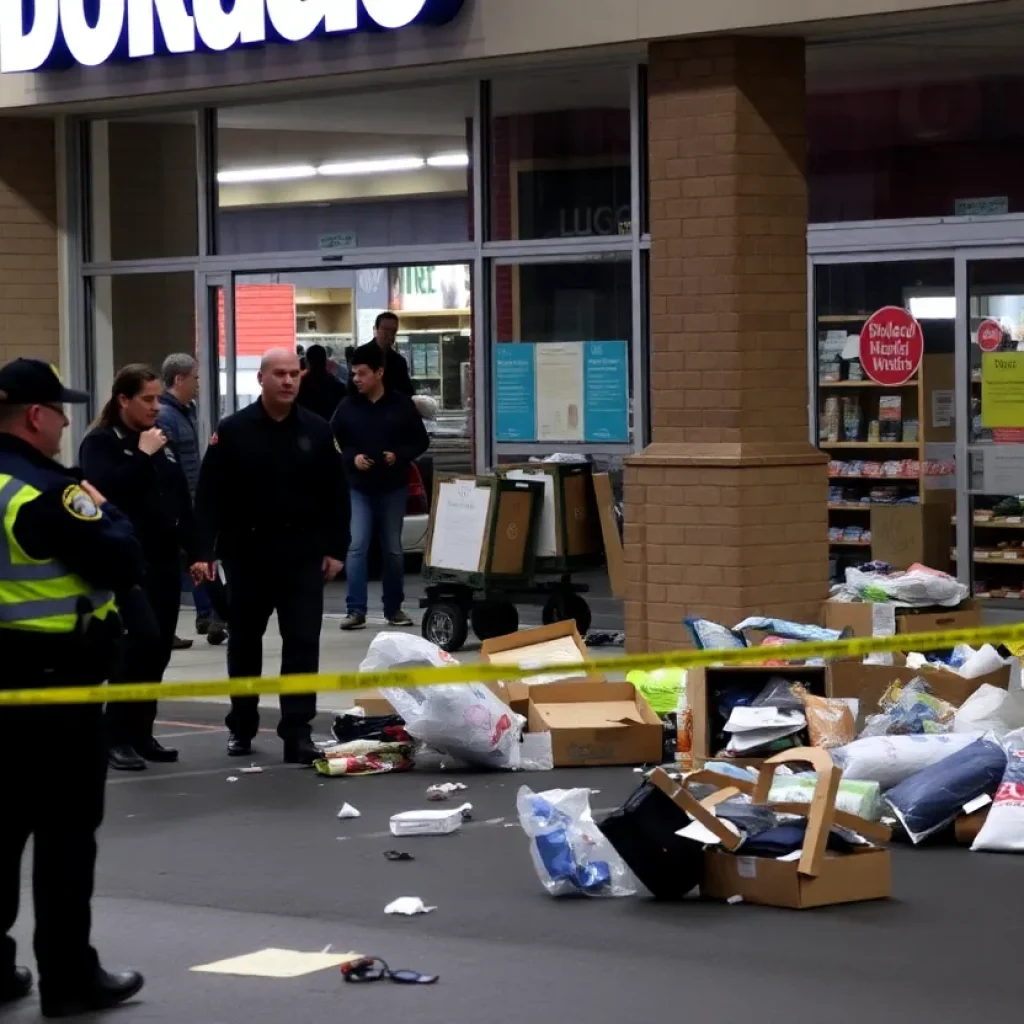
[[374, 969]]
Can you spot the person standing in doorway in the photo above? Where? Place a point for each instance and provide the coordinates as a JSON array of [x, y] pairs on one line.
[[127, 457], [396, 370], [178, 419], [272, 507], [380, 434], [320, 391]]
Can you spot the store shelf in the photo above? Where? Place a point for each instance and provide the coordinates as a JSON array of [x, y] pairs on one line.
[[987, 559], [994, 524], [863, 384], [903, 445], [878, 479], [849, 543], [849, 506], [843, 319]]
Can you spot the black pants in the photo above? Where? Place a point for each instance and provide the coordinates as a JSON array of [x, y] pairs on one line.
[[149, 627], [57, 798], [256, 589]]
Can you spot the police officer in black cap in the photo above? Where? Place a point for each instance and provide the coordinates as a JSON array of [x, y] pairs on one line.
[[64, 553]]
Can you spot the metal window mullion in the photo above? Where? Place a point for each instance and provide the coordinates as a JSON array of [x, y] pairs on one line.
[[230, 349], [962, 422], [482, 338], [638, 383]]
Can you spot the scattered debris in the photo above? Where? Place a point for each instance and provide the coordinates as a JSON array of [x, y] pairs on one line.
[[427, 823], [397, 855], [348, 811], [444, 790], [232, 778], [327, 948], [734, 900], [409, 906], [466, 810], [253, 769], [494, 821]]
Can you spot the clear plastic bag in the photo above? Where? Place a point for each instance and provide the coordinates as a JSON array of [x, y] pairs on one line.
[[571, 855], [1003, 830], [910, 710], [466, 721], [918, 586], [888, 760], [830, 722]]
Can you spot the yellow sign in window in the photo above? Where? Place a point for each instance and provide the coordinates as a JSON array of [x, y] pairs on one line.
[[1002, 389]]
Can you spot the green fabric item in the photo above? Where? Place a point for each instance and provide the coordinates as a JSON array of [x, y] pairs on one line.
[[661, 688]]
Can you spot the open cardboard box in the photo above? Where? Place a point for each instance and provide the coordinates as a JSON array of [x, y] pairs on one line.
[[559, 643], [817, 877], [867, 619], [703, 683], [867, 683], [596, 723]]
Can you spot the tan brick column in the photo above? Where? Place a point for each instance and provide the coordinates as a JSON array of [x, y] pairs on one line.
[[29, 317], [726, 510]]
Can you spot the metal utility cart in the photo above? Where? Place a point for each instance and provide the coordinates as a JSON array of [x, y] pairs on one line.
[[490, 537]]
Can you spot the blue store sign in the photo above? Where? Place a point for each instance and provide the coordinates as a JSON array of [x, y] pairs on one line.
[[36, 34]]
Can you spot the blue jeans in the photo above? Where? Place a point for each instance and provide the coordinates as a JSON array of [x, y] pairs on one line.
[[201, 600], [384, 512]]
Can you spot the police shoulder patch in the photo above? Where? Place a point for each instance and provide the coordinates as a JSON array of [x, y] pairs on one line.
[[79, 504]]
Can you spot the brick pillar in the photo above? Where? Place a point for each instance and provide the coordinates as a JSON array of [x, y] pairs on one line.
[[29, 318], [726, 510]]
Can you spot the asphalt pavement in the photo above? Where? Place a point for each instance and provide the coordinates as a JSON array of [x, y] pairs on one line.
[[195, 869]]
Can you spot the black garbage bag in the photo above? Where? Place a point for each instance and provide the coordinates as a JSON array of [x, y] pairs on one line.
[[381, 728], [643, 832]]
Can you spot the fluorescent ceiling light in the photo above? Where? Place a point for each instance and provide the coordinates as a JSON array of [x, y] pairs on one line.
[[933, 307], [253, 174], [382, 166], [448, 160]]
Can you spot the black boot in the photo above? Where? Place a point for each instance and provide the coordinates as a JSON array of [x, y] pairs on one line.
[[16, 986], [153, 750], [105, 991], [300, 751], [238, 746], [124, 758]]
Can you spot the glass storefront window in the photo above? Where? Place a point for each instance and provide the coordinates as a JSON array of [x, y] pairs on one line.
[[892, 482], [996, 434], [560, 155], [562, 354], [143, 188], [388, 167]]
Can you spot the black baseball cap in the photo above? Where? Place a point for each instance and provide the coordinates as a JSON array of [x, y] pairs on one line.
[[33, 382]]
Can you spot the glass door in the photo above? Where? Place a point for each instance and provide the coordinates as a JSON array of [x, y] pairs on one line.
[[992, 540]]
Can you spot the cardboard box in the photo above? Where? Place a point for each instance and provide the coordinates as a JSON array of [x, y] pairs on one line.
[[559, 642], [968, 826], [596, 724], [375, 706], [867, 683], [905, 535], [703, 683], [867, 619]]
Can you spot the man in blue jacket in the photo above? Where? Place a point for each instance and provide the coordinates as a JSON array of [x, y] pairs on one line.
[[179, 422], [380, 434]]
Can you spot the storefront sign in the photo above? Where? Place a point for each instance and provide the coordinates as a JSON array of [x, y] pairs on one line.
[[987, 206], [430, 289], [1002, 389], [36, 34], [990, 335], [562, 391], [338, 240], [891, 346]]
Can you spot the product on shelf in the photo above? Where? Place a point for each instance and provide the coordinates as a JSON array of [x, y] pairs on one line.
[[855, 370], [911, 429], [853, 419], [828, 431], [890, 418], [874, 434]]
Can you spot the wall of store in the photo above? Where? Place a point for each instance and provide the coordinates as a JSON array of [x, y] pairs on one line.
[[29, 301]]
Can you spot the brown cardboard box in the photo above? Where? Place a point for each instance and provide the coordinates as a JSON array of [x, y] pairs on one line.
[[867, 683], [860, 617], [375, 706], [702, 683], [596, 724], [545, 643], [904, 535], [968, 826]]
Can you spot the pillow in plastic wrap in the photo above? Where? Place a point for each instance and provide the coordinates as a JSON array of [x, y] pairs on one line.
[[1003, 830], [888, 760]]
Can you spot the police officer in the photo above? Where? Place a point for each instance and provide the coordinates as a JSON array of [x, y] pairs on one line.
[[64, 554], [272, 505]]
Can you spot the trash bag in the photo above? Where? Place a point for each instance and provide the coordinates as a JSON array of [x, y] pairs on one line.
[[466, 721], [990, 709], [1003, 830], [932, 799], [571, 855], [643, 832], [919, 586]]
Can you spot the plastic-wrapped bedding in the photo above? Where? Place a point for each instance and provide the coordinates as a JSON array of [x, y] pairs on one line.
[[931, 799], [1004, 827], [888, 760]]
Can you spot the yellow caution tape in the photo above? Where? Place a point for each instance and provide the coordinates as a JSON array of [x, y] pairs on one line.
[[407, 678]]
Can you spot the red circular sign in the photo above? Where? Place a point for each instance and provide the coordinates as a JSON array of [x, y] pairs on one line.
[[891, 346], [990, 335]]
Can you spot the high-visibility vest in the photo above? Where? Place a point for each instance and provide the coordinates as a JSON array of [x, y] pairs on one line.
[[38, 596]]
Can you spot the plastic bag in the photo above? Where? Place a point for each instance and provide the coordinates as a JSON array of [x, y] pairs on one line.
[[990, 709], [465, 721], [909, 710], [571, 855], [855, 796], [918, 586], [1003, 830], [888, 760], [932, 798]]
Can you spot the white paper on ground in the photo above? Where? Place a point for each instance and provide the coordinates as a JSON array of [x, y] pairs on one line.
[[348, 811], [409, 906], [277, 963]]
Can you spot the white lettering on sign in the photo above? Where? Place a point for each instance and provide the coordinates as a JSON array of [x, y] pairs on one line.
[[37, 34]]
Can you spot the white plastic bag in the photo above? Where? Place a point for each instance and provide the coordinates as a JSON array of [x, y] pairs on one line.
[[466, 721], [990, 709], [1003, 830], [570, 853], [916, 587], [888, 760]]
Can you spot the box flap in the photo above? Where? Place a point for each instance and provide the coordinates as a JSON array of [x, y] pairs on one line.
[[590, 715]]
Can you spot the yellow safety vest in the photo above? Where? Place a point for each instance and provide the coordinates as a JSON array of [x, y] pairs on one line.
[[38, 596]]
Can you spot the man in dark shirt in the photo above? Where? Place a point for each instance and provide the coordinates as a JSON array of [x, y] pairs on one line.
[[380, 434], [396, 369], [272, 506], [321, 391]]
